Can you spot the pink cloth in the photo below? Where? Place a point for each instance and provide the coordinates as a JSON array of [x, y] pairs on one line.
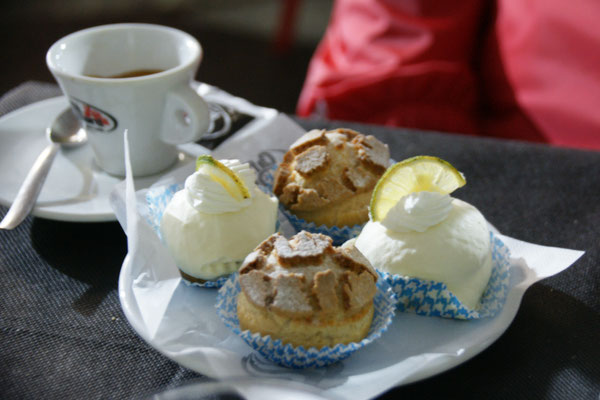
[[525, 70]]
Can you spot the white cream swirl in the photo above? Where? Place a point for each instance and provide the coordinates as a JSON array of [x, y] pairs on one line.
[[418, 211], [210, 197]]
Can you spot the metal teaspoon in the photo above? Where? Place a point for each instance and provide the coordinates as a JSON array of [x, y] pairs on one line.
[[65, 130]]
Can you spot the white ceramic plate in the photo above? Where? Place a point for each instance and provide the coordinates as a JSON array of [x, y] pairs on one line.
[[413, 348], [76, 189], [267, 389]]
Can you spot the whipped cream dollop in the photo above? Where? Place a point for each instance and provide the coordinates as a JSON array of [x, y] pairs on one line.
[[418, 211], [208, 196]]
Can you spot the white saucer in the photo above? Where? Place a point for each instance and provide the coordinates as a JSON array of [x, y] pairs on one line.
[[76, 188]]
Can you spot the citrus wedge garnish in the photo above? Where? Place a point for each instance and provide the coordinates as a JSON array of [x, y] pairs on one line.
[[226, 177], [416, 174]]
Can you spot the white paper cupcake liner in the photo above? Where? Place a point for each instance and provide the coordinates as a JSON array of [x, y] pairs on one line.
[[157, 199], [339, 234], [432, 298], [299, 357]]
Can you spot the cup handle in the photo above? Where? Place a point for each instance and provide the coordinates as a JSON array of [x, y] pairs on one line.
[[186, 116]]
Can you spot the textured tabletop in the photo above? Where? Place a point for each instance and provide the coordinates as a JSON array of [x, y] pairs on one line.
[[64, 335]]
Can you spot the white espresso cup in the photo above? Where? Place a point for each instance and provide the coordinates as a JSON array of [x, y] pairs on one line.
[[134, 77]]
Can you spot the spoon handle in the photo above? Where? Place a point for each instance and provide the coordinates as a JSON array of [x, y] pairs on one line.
[[29, 191]]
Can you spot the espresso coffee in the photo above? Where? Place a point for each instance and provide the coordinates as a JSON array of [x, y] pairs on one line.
[[130, 74]]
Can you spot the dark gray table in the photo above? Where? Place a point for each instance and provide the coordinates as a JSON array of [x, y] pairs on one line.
[[63, 334]]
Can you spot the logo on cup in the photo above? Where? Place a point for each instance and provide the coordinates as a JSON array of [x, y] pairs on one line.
[[93, 117]]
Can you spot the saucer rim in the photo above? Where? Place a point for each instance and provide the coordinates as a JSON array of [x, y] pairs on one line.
[[50, 212], [74, 212]]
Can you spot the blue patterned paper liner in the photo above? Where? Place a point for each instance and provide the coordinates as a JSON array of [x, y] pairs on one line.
[[157, 199], [431, 298], [339, 235], [299, 357], [216, 284]]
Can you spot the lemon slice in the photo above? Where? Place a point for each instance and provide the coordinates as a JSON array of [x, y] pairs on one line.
[[416, 174], [220, 173]]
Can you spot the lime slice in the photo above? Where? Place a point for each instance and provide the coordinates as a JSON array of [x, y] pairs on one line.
[[416, 174], [220, 173]]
